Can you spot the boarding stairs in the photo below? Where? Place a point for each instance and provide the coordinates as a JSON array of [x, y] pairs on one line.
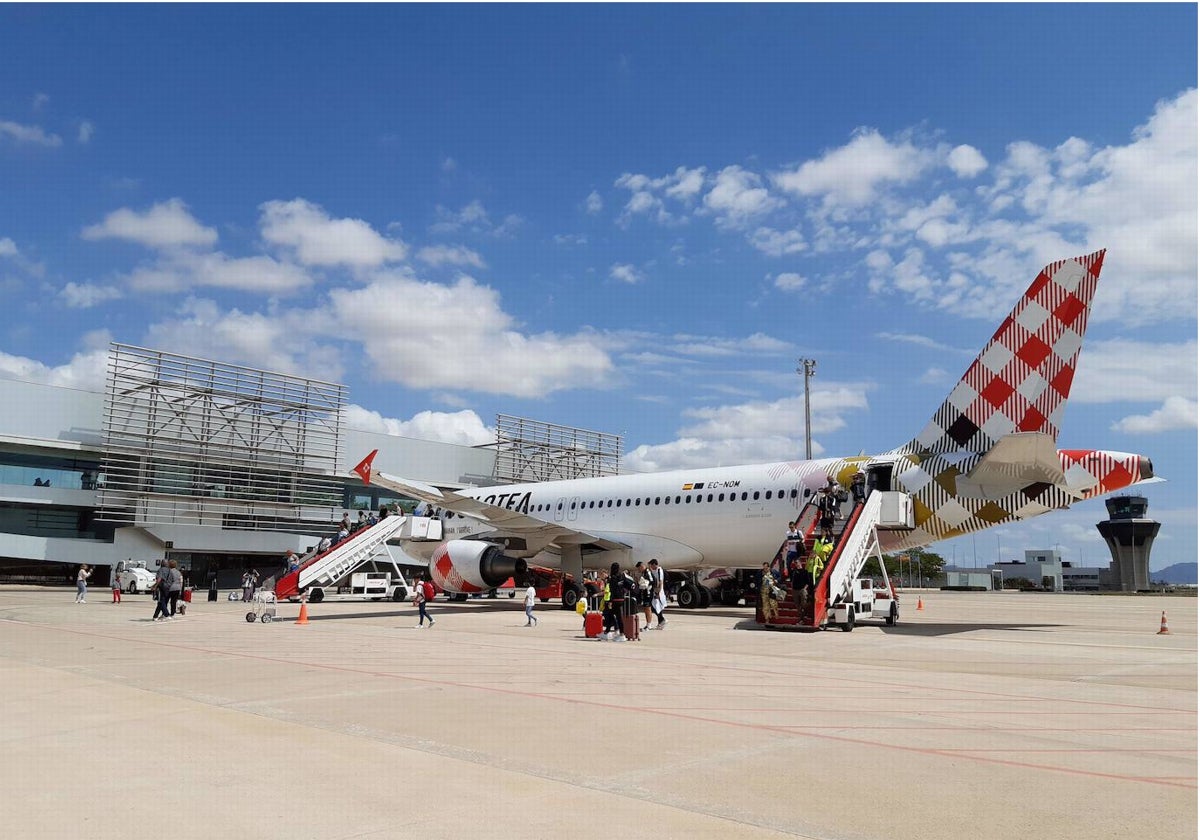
[[328, 567], [856, 540]]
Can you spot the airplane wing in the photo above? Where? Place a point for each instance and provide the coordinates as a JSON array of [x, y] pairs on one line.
[[507, 523]]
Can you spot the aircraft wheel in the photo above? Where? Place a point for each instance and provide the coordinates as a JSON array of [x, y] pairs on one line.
[[570, 597], [705, 597], [688, 596]]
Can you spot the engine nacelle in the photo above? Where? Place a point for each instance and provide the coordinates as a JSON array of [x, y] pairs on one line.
[[472, 566]]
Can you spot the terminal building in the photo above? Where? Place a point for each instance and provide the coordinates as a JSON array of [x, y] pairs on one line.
[[220, 467]]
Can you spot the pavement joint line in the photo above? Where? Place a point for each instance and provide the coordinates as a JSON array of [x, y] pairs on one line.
[[858, 742]]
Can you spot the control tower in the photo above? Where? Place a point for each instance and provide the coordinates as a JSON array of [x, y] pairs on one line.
[[1129, 535]]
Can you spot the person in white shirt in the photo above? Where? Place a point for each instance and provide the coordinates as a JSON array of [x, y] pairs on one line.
[[530, 598]]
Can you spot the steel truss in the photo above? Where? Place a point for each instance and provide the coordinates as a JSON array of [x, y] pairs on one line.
[[530, 450], [193, 441]]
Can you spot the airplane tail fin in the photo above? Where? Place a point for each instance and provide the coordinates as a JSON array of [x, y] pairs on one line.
[[1021, 379], [364, 467]]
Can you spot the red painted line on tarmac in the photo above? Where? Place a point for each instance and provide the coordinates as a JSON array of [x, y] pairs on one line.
[[1172, 781]]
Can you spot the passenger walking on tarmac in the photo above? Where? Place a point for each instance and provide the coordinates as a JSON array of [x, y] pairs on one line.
[[422, 595], [174, 585], [116, 586], [658, 592], [768, 600], [161, 590], [81, 580], [530, 597]]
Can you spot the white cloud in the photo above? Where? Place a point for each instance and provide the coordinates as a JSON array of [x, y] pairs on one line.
[[165, 225], [86, 130], [317, 239], [1119, 370], [594, 203], [180, 271], [752, 432], [756, 344], [438, 255], [279, 341], [625, 273], [34, 135], [8, 248], [1175, 413], [966, 161], [853, 174], [474, 218], [776, 243], [647, 194], [460, 338], [790, 281], [463, 428], [738, 196], [85, 372], [87, 295], [40, 100]]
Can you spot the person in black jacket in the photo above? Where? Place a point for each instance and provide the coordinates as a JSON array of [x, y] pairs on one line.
[[620, 590]]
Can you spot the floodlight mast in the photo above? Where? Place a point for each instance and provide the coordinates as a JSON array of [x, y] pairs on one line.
[[808, 367]]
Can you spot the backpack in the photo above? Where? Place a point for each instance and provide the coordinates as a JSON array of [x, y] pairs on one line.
[[427, 591]]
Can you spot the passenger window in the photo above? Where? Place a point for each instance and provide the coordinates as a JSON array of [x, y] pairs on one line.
[[743, 497], [710, 497], [618, 502], [676, 500], [657, 499], [637, 502], [756, 495], [687, 500], [794, 494], [768, 494]]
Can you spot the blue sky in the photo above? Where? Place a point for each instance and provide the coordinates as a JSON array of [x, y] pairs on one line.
[[633, 219]]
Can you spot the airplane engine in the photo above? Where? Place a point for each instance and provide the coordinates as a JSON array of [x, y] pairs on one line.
[[472, 566]]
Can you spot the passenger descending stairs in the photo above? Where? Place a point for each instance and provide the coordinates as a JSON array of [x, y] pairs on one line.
[[327, 568], [856, 541]]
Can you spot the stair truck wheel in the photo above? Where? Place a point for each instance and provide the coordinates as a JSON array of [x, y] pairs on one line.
[[570, 597], [848, 624], [316, 595], [893, 615], [399, 594], [688, 596], [705, 597]]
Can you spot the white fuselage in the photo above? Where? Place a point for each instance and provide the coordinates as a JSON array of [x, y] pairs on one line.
[[724, 516]]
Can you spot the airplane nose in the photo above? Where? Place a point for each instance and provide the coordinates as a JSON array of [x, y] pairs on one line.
[[1145, 468]]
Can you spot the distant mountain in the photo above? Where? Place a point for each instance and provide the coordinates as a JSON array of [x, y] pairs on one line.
[[1179, 573]]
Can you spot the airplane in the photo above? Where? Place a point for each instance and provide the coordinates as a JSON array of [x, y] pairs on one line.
[[987, 457]]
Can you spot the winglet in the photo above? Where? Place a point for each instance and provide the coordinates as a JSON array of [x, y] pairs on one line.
[[364, 467]]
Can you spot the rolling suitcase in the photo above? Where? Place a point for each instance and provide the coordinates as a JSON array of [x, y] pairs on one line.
[[629, 622], [593, 623]]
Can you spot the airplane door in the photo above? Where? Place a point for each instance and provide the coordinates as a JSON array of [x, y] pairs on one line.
[[559, 506], [573, 509]]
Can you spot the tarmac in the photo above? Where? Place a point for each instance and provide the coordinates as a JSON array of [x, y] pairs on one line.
[[983, 715]]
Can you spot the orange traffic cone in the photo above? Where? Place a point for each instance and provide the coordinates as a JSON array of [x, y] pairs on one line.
[[303, 619], [1163, 629], [920, 604]]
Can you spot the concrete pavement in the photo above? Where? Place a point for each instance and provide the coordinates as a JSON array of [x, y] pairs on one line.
[[989, 715]]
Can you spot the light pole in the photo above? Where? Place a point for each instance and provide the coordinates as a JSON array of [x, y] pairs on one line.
[[807, 368]]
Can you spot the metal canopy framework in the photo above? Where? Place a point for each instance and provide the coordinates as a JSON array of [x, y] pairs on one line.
[[195, 442], [529, 450]]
